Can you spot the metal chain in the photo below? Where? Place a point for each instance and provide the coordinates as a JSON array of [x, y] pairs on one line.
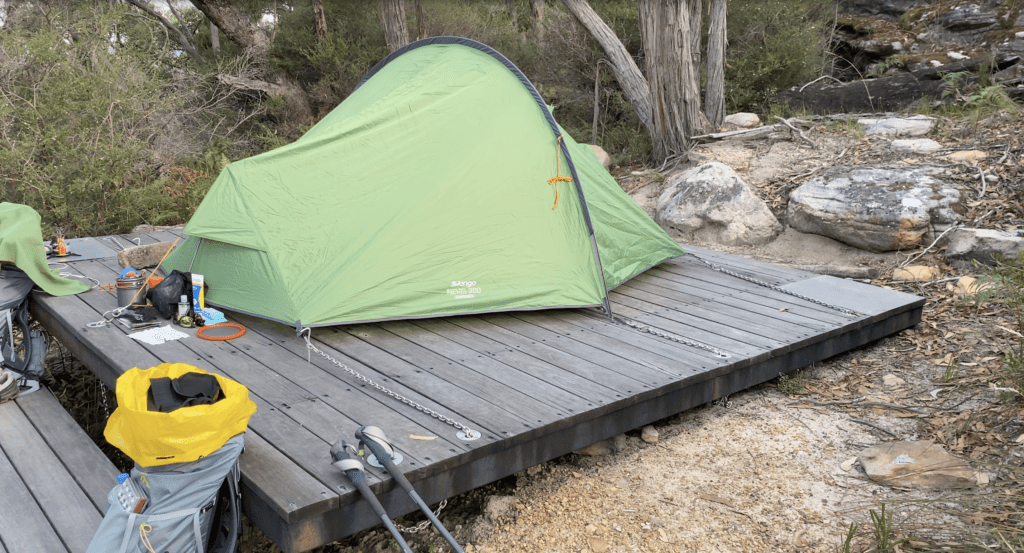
[[424, 524], [465, 432], [655, 332], [773, 287]]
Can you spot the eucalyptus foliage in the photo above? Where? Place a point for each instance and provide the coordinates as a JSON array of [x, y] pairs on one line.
[[103, 125]]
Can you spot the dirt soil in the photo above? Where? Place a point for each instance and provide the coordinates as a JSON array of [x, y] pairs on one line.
[[772, 468]]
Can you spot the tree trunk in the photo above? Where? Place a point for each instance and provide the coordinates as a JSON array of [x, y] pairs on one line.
[[421, 21], [237, 25], [537, 17], [665, 26], [319, 20], [626, 72], [396, 32], [714, 93], [511, 6], [214, 37], [696, 15]]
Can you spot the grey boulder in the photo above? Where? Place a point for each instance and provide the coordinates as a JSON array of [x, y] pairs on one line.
[[967, 245], [876, 209], [713, 204]]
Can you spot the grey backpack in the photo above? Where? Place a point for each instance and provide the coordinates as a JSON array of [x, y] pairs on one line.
[[188, 507], [24, 356]]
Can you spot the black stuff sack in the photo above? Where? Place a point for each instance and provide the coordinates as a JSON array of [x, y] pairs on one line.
[[166, 296]]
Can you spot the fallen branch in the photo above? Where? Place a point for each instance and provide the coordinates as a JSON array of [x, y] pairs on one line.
[[742, 134], [930, 246], [798, 131], [862, 403], [875, 426]]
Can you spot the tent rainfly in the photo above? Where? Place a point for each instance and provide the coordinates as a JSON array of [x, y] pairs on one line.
[[442, 185]]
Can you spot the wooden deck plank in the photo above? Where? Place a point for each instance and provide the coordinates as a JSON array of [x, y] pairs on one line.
[[23, 526], [753, 266], [624, 375], [767, 310], [620, 341], [538, 384], [715, 316], [572, 381], [90, 468], [428, 388], [667, 321], [540, 329], [717, 285], [370, 406], [401, 341], [788, 336], [444, 346], [69, 511]]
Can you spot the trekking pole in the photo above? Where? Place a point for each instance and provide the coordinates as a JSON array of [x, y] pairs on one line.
[[354, 470], [374, 439]]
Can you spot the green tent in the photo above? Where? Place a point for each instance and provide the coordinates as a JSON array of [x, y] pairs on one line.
[[427, 192]]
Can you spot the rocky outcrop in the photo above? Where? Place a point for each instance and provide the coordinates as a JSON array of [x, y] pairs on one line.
[[888, 67], [890, 93], [918, 125], [712, 203], [967, 245], [915, 146], [876, 209]]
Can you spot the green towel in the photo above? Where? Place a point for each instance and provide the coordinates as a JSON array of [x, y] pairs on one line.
[[21, 243]]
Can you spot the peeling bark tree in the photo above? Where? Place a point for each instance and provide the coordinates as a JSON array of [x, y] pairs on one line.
[[675, 95], [396, 32], [714, 92], [537, 17], [668, 99], [511, 6], [236, 25], [421, 21], [214, 37], [319, 20]]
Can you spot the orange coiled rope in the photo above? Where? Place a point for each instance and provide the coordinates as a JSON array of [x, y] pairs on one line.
[[558, 170]]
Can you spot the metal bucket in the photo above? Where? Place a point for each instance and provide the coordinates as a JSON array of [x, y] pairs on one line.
[[127, 288]]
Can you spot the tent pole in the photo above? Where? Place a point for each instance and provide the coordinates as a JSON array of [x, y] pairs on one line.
[[194, 254]]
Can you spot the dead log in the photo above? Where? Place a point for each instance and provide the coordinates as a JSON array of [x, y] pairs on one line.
[[884, 94], [293, 95]]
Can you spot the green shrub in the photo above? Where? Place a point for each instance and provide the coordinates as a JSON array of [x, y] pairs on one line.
[[773, 44], [99, 135], [75, 126]]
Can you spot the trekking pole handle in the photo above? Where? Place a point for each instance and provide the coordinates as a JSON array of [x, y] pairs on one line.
[[354, 470], [374, 438], [345, 463]]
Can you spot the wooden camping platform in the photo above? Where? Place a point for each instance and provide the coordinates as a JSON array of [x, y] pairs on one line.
[[536, 384], [54, 479]]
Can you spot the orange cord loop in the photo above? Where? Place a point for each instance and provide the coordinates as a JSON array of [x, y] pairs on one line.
[[241, 331], [558, 170]]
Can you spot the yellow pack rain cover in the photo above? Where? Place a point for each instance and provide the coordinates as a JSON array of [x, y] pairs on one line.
[[152, 438]]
